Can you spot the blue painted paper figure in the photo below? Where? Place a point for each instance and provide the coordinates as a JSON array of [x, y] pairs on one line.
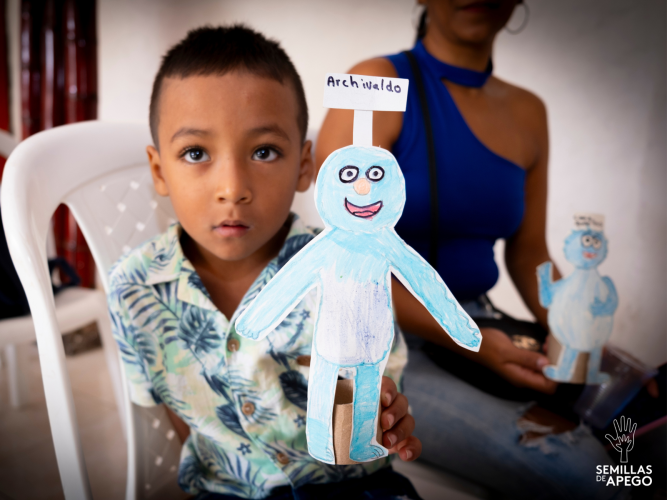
[[581, 305], [360, 194]]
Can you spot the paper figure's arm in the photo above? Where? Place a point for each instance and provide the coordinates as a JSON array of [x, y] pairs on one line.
[[608, 307], [546, 286], [282, 293], [429, 289]]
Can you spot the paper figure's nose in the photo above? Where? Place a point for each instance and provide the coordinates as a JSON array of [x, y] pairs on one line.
[[362, 186]]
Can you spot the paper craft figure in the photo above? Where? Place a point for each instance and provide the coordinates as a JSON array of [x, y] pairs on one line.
[[581, 305], [360, 194]]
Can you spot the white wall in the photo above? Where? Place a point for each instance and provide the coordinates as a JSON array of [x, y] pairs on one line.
[[598, 65], [600, 68], [320, 36]]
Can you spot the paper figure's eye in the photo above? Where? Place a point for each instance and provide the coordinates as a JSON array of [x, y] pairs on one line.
[[587, 240], [596, 243], [348, 174], [375, 173]]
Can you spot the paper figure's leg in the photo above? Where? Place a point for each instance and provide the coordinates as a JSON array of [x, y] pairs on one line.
[[366, 404], [321, 392], [594, 375], [564, 370]]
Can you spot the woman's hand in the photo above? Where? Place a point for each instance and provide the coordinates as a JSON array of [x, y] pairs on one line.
[[397, 424], [521, 367]]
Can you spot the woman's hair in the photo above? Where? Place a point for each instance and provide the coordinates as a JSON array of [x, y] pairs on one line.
[[421, 27]]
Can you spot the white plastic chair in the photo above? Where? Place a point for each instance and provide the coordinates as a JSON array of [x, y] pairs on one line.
[[99, 170], [75, 307]]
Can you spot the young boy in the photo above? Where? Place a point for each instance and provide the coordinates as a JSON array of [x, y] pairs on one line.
[[228, 117]]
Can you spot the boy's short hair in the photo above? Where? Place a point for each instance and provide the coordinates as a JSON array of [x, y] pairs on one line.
[[218, 50]]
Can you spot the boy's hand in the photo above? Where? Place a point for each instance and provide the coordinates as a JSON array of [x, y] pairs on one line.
[[397, 424]]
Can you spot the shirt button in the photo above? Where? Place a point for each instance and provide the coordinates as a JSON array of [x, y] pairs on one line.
[[248, 409], [233, 345], [282, 458]]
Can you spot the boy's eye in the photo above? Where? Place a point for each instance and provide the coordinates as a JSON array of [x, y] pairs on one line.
[[265, 154], [196, 155]]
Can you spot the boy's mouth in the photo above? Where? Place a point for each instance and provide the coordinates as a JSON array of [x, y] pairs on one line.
[[365, 212], [231, 228]]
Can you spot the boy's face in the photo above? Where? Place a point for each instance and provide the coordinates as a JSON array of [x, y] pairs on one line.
[[230, 159]]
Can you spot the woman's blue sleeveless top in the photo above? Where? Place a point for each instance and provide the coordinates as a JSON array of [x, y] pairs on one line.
[[480, 194]]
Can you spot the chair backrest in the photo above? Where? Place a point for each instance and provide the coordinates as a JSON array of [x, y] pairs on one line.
[[100, 171]]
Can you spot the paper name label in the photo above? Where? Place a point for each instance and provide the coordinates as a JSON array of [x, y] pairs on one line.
[[372, 93], [592, 221]]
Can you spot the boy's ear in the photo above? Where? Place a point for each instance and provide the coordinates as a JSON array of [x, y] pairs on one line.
[[306, 168], [156, 171]]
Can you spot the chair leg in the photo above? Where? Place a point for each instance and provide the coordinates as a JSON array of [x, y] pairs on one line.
[[17, 374], [113, 363]]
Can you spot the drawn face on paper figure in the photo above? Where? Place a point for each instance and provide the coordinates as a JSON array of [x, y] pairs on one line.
[[586, 248], [360, 189]]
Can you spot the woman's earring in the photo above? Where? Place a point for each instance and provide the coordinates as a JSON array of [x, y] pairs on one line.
[[524, 23]]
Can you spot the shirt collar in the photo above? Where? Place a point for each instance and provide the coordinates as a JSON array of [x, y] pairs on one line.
[[168, 263]]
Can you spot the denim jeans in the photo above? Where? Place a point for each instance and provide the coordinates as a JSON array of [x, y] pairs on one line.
[[475, 435], [385, 484]]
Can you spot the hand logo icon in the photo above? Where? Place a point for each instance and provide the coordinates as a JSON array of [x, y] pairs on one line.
[[625, 437]]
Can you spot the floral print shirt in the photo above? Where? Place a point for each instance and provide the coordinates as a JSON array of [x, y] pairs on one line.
[[245, 401]]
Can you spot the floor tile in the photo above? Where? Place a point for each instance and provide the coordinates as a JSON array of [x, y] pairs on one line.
[[89, 376], [28, 467], [32, 474], [434, 484], [23, 430]]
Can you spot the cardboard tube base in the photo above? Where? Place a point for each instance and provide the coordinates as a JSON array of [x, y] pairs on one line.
[[342, 422], [580, 365]]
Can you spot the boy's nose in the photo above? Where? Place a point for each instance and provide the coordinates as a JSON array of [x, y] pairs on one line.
[[362, 186], [232, 184]]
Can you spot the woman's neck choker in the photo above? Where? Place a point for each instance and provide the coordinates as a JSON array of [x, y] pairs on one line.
[[454, 74]]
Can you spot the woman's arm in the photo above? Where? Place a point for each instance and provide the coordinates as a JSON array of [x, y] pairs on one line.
[[527, 248], [497, 352], [336, 131]]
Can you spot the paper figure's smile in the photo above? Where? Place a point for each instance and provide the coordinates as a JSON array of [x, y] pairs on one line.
[[590, 255], [365, 212]]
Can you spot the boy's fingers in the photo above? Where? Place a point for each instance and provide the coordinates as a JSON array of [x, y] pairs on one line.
[[409, 449], [395, 412], [400, 432], [388, 391]]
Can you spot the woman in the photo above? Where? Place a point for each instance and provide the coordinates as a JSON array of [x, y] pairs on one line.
[[490, 173]]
